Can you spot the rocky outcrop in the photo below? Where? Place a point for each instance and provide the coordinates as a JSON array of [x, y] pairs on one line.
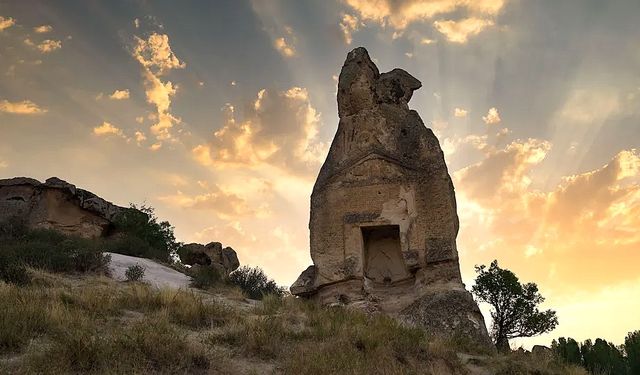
[[224, 260], [383, 221], [56, 204]]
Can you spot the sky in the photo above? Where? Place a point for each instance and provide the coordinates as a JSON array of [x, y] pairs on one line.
[[220, 114]]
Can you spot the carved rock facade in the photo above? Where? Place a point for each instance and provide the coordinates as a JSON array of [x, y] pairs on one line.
[[56, 204], [383, 220]]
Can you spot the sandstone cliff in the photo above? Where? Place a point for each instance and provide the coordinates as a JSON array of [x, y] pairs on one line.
[[56, 204]]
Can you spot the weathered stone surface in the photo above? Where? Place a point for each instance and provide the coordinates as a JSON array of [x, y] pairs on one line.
[[212, 254], [56, 204], [383, 222], [304, 283]]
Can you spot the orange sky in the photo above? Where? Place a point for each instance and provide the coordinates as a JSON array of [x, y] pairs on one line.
[[220, 115]]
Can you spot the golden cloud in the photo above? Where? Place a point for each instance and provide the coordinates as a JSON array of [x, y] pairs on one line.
[[284, 47], [477, 14], [120, 95], [107, 129], [25, 107], [460, 31], [6, 23], [492, 117], [43, 29], [583, 231], [349, 24], [460, 112], [157, 58], [226, 205], [279, 129], [46, 46]]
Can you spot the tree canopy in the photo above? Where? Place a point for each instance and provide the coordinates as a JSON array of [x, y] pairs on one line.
[[515, 310]]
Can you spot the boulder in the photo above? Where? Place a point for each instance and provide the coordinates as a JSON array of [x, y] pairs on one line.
[[212, 255], [56, 204]]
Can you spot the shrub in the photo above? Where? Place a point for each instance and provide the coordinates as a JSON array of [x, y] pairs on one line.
[[254, 283], [12, 271], [49, 250], [204, 277], [134, 273], [143, 235]]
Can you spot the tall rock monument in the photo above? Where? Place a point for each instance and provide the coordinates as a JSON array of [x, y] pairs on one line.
[[383, 211]]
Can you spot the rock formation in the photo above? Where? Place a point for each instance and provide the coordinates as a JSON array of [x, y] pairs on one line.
[[383, 211], [56, 204], [224, 260]]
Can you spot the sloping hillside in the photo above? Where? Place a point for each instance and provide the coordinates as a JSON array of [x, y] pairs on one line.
[[95, 324]]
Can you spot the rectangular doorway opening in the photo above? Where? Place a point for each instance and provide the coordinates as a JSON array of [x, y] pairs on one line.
[[383, 262]]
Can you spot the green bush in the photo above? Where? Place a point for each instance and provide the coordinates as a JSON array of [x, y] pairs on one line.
[[140, 234], [134, 273], [12, 271], [47, 249], [254, 283], [204, 277]]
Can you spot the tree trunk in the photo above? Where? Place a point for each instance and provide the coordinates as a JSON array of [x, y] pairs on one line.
[[502, 344]]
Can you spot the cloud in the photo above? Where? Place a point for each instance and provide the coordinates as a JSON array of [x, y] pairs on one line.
[[460, 31], [107, 129], [460, 112], [25, 107], [43, 29], [157, 59], [46, 46], [226, 205], [349, 24], [280, 129], [6, 23], [120, 95], [156, 55], [3, 164], [472, 16], [585, 225], [140, 137], [284, 47], [492, 117]]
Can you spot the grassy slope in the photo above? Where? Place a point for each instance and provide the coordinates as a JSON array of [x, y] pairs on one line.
[[93, 324]]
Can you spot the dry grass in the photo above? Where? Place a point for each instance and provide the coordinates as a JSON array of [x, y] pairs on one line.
[[93, 324]]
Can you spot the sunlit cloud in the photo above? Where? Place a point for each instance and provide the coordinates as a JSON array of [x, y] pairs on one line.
[[280, 129], [594, 213], [492, 117], [6, 22], [460, 31], [284, 47], [400, 13], [120, 95], [226, 205], [46, 46], [25, 107], [349, 24], [460, 112], [140, 137], [107, 129], [157, 59], [43, 29]]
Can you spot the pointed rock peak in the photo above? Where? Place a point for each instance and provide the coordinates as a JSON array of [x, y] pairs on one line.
[[361, 86]]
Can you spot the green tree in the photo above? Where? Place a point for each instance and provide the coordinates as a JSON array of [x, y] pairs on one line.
[[602, 357], [567, 349], [143, 235], [515, 310], [632, 348]]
